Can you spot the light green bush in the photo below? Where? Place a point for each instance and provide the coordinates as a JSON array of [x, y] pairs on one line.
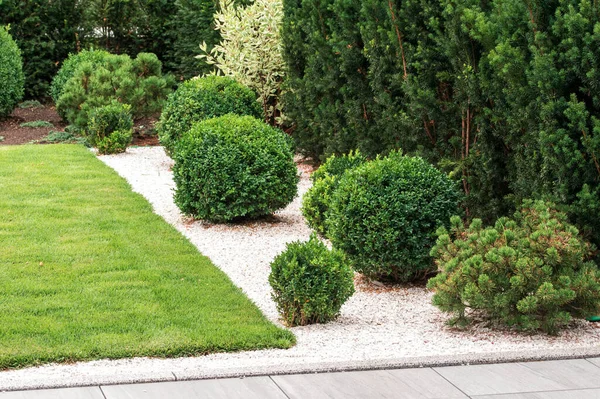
[[310, 283]]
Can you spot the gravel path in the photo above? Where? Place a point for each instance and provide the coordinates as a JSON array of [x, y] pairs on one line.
[[378, 326]]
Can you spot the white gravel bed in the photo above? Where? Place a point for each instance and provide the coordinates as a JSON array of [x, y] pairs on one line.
[[377, 327]]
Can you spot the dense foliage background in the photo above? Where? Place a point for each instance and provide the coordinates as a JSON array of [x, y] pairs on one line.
[[502, 94], [47, 31]]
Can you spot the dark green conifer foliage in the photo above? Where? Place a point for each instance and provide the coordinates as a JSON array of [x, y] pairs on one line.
[[502, 94]]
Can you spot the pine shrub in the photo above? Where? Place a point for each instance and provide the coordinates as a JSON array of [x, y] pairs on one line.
[[384, 215], [71, 65], [110, 128], [11, 73], [138, 82], [530, 272], [310, 283], [233, 167], [317, 200], [199, 99]]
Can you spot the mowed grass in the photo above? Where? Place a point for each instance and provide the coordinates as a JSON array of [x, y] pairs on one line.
[[87, 271]]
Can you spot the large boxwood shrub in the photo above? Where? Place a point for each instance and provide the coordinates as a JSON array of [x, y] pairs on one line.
[[316, 201], [138, 82], [11, 73], [203, 98], [310, 283], [384, 215], [233, 167], [532, 271]]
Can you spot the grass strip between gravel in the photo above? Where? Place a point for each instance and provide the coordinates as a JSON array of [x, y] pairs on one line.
[[88, 271]]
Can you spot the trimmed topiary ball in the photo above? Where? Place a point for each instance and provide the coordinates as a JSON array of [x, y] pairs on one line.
[[531, 272], [316, 201], [384, 215], [11, 73], [110, 128], [233, 167], [310, 283], [203, 98], [70, 66]]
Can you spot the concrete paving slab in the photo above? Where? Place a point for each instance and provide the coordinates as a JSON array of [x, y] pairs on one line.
[[594, 360], [63, 393], [571, 394], [247, 388], [523, 377], [405, 384]]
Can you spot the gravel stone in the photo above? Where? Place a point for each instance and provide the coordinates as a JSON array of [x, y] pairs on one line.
[[378, 327]]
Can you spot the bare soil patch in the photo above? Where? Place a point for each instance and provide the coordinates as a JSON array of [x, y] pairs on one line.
[[14, 134]]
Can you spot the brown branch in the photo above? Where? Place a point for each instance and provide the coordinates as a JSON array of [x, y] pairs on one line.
[[399, 35]]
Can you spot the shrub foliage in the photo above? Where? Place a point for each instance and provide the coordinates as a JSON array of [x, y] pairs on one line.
[[137, 82], [532, 271], [310, 283], [11, 73], [199, 99], [233, 167], [384, 214], [317, 200], [110, 128], [502, 94], [250, 51]]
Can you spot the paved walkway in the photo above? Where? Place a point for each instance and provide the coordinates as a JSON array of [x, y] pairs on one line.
[[557, 379]]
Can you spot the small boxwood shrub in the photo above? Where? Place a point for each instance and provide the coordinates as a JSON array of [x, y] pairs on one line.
[[110, 128], [316, 201], [203, 98], [11, 73], [531, 272], [233, 167], [70, 66], [138, 82], [310, 283], [384, 215]]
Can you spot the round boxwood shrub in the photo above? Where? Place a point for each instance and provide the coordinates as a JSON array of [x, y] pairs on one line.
[[11, 73], [531, 272], [316, 201], [233, 167], [110, 128], [384, 215], [70, 66], [203, 98], [310, 283]]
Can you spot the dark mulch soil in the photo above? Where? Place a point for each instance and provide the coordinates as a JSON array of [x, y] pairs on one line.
[[13, 133]]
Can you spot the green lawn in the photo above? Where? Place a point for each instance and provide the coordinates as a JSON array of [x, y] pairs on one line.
[[87, 271]]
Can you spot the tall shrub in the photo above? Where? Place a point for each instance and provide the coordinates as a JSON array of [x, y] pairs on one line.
[[503, 94], [46, 32], [11, 73], [250, 50]]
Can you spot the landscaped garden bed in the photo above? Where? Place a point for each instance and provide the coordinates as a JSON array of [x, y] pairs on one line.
[[89, 272]]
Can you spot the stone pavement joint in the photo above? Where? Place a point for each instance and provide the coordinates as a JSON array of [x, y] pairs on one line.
[[554, 379]]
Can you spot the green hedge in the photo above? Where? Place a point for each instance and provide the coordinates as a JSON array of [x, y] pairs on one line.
[[503, 95]]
